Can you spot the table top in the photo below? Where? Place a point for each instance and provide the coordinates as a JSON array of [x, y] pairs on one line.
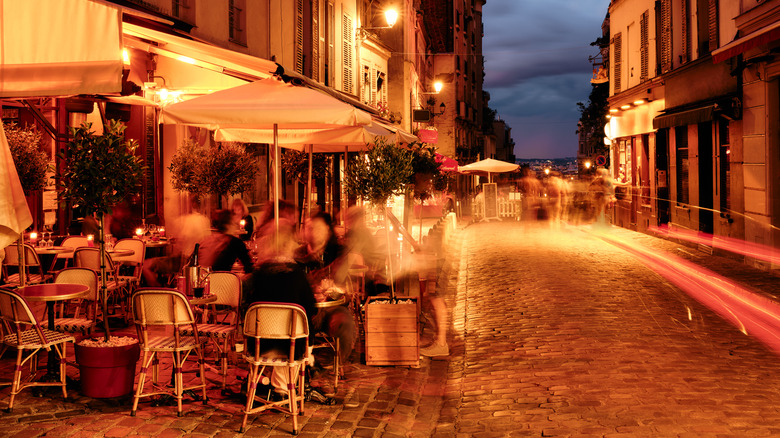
[[52, 249], [156, 244], [120, 252], [206, 299], [333, 303], [52, 291]]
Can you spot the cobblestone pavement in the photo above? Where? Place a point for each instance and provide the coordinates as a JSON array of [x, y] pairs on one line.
[[557, 333], [552, 333]]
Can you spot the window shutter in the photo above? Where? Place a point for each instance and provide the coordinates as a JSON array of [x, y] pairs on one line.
[[315, 40], [685, 31], [713, 24], [643, 49], [299, 36], [617, 65], [347, 75], [666, 35]]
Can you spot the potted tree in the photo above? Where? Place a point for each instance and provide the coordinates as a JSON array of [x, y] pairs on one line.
[[101, 171], [391, 326]]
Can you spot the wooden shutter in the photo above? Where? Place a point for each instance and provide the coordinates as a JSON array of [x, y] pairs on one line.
[[315, 40], [685, 31], [643, 49], [347, 72], [665, 14], [713, 24], [617, 64], [299, 36]]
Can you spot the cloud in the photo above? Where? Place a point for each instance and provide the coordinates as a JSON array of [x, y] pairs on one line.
[[536, 69]]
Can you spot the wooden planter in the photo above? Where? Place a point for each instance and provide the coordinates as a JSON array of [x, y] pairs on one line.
[[391, 332]]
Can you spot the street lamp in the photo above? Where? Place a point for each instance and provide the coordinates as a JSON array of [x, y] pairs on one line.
[[391, 17]]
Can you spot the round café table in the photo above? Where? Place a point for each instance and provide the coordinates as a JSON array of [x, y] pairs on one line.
[[330, 303], [51, 293]]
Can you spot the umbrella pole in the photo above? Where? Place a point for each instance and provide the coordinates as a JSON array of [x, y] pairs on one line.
[[343, 192], [308, 183], [22, 259], [277, 180], [389, 257]]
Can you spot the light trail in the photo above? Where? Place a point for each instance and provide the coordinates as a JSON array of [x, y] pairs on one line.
[[752, 313], [737, 246]]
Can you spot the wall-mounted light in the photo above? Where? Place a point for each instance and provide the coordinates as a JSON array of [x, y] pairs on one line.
[[625, 107], [391, 17], [639, 102], [613, 110], [437, 87]]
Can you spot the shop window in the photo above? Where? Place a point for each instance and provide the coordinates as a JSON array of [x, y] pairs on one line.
[[681, 146]]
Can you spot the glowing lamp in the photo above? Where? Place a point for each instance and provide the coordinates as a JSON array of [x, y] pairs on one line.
[[139, 232], [33, 238], [90, 240], [391, 16]]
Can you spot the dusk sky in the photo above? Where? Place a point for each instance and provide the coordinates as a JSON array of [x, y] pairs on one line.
[[536, 69]]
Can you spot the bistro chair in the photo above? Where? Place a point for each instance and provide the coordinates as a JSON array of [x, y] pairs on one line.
[[131, 266], [278, 326], [116, 288], [79, 322], [20, 330], [65, 259], [32, 266], [166, 309], [223, 326]]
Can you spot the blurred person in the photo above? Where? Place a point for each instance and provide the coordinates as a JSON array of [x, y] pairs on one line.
[[186, 232], [428, 272], [241, 212], [280, 279], [263, 235], [557, 194], [120, 222], [602, 191], [220, 250], [324, 259], [359, 240], [531, 188]]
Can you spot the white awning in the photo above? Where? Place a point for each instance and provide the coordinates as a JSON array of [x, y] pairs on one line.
[[59, 47], [206, 56]]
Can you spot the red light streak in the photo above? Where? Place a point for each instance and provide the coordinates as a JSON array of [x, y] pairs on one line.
[[749, 311], [737, 246]]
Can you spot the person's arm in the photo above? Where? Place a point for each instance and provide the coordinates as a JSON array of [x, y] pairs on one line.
[[243, 255]]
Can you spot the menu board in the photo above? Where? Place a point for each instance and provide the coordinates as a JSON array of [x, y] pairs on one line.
[[490, 191]]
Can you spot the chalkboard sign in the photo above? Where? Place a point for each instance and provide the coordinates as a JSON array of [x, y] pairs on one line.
[[490, 191]]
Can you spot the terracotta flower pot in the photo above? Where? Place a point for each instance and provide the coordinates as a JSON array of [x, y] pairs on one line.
[[107, 371]]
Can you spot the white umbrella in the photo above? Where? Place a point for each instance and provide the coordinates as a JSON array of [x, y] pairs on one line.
[[267, 105], [15, 215], [488, 166]]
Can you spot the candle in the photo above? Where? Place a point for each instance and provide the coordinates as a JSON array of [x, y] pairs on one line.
[[90, 240], [162, 231], [139, 232], [242, 223], [33, 238]]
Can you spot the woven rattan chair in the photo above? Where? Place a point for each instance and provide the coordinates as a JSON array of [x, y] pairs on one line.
[[224, 319], [20, 330], [274, 323], [133, 263], [86, 308], [32, 266], [63, 260], [116, 288], [166, 309]]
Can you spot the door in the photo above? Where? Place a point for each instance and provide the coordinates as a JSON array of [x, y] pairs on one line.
[[706, 185], [662, 176]]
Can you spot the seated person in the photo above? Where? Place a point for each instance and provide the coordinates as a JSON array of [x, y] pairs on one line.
[[220, 250], [360, 241], [324, 259]]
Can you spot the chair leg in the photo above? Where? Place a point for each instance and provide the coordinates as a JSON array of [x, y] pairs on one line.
[[202, 367], [224, 361], [336, 364], [291, 372], [141, 380], [16, 383], [179, 384], [63, 372], [251, 389]]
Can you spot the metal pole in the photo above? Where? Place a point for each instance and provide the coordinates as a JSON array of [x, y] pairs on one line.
[[277, 181]]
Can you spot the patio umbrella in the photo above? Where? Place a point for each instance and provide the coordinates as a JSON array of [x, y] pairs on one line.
[[15, 215], [267, 105], [488, 166]]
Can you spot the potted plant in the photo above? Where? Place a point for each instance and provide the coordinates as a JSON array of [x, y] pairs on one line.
[[101, 171], [296, 165]]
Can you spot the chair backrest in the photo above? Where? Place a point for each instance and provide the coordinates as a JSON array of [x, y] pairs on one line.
[[90, 258], [84, 276], [276, 321], [227, 287], [161, 307], [74, 242], [12, 256], [17, 317], [139, 250]]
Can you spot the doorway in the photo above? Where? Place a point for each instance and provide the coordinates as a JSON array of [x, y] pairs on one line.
[[662, 176], [706, 185]]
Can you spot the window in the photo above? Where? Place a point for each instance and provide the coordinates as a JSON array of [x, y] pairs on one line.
[[664, 39], [347, 53], [315, 40], [707, 13], [617, 64], [329, 45], [643, 43], [725, 166], [237, 21], [685, 31], [681, 146], [299, 36], [184, 10]]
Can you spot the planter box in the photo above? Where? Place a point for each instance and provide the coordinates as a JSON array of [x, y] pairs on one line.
[[391, 332]]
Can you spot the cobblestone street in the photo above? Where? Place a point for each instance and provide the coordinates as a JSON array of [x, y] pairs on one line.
[[552, 333], [559, 334]]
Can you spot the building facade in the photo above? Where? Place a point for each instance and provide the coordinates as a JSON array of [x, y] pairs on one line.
[[692, 128]]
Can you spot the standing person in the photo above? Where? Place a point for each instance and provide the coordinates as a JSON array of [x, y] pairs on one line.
[[241, 212], [557, 194], [531, 188], [220, 250], [187, 231], [602, 190]]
